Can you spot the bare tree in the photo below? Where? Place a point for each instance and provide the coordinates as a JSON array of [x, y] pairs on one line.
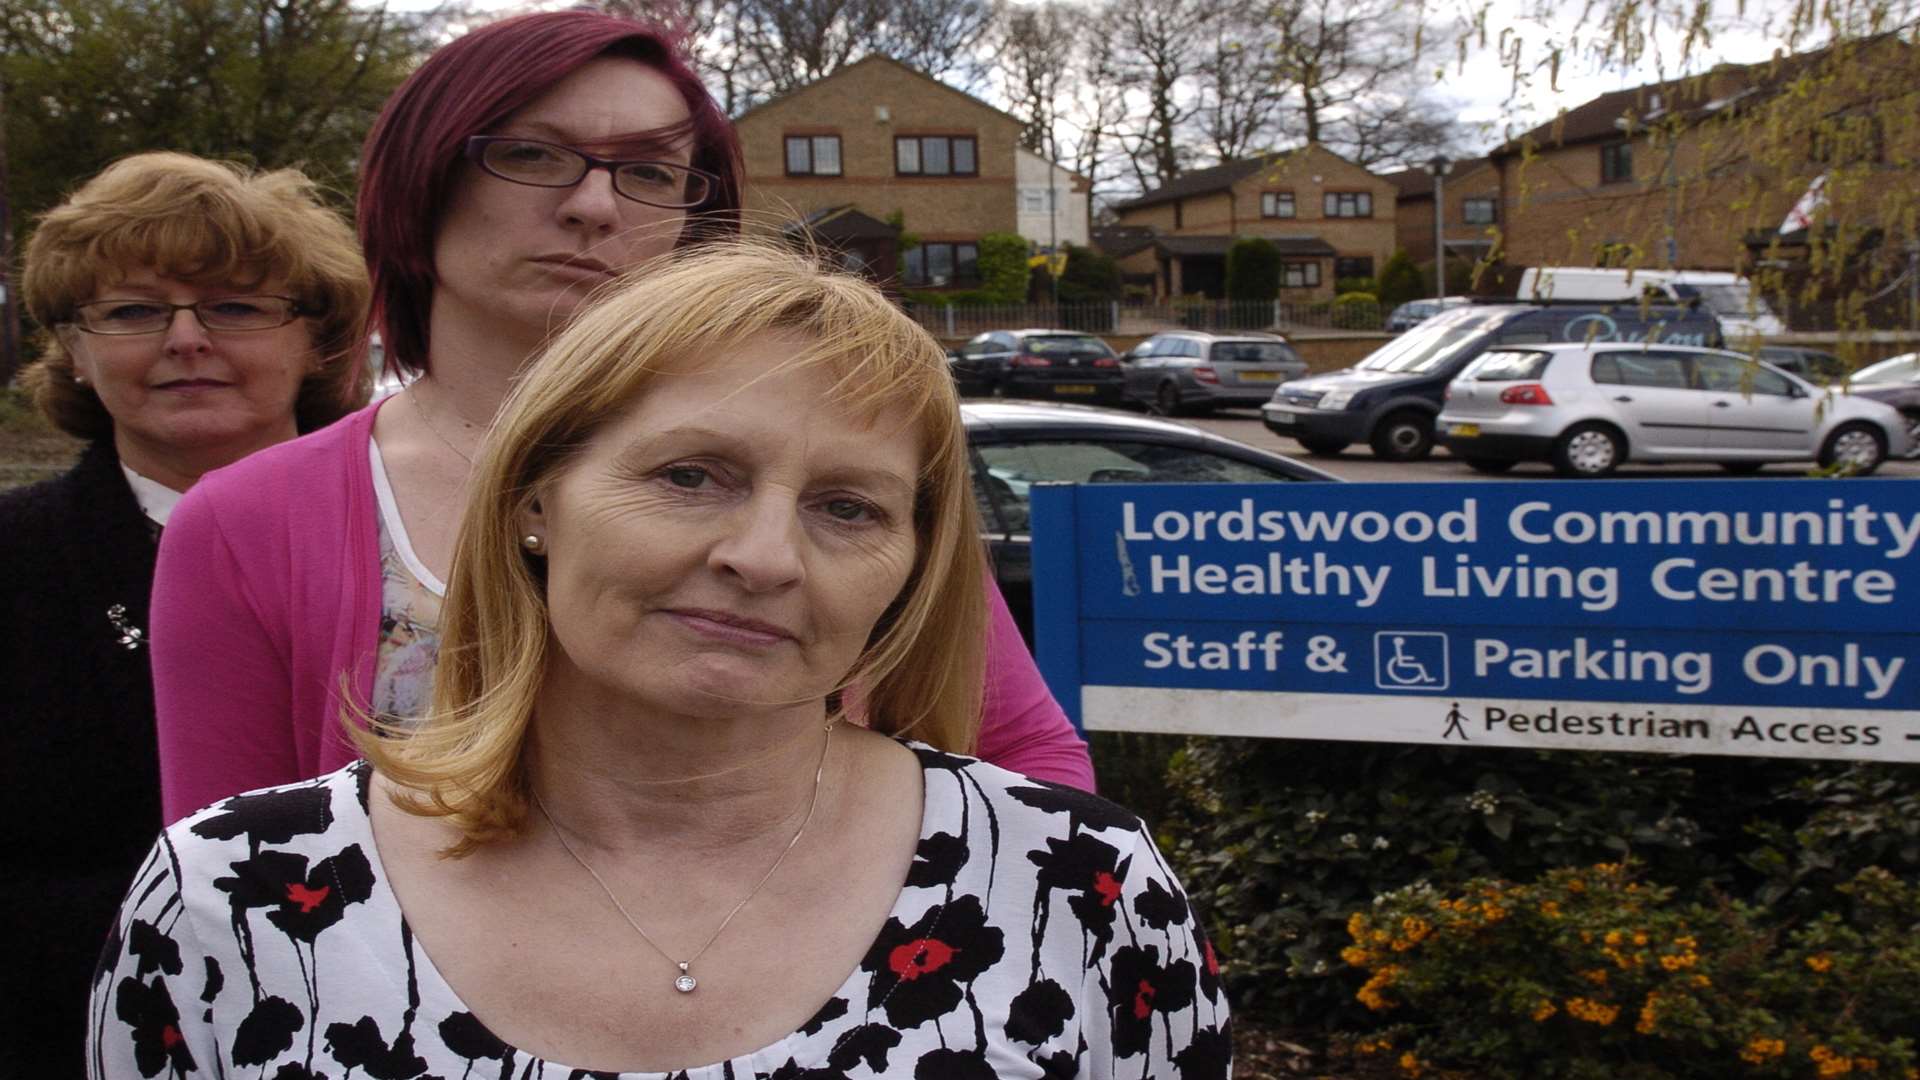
[[1158, 46], [939, 37], [1034, 58], [1096, 105], [1240, 109], [787, 44], [1334, 55], [1400, 126]]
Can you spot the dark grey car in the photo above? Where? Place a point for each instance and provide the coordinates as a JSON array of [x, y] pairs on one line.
[[1188, 371], [1064, 364], [1015, 446]]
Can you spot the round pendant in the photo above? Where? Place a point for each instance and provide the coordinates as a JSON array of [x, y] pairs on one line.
[[685, 984]]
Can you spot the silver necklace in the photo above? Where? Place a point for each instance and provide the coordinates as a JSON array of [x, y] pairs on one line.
[[428, 420], [685, 982]]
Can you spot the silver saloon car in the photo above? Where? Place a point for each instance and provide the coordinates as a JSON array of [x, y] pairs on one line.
[[1589, 408]]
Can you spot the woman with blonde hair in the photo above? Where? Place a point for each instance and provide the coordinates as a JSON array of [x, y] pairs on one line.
[[194, 312], [518, 170], [633, 833]]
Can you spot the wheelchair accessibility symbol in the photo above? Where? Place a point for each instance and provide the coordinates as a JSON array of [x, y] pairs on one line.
[[1410, 660]]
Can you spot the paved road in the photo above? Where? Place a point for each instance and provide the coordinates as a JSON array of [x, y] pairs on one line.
[[1358, 463]]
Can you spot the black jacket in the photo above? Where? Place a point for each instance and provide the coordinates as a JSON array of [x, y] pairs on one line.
[[79, 774]]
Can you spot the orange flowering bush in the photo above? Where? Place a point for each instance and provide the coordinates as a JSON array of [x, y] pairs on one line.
[[1592, 972]]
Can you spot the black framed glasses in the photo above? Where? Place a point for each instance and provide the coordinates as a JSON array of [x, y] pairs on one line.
[[223, 313], [545, 164]]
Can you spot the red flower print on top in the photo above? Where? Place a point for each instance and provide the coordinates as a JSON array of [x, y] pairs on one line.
[[919, 957], [308, 899], [1107, 887], [1143, 1000]]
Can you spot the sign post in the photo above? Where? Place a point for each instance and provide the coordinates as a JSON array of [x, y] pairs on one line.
[[1768, 618]]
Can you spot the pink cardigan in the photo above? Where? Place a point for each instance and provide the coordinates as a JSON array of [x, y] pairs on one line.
[[266, 606]]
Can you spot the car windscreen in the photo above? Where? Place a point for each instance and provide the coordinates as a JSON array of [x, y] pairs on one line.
[[1735, 299], [1897, 369], [1066, 345], [1251, 352], [1508, 365], [1433, 342]]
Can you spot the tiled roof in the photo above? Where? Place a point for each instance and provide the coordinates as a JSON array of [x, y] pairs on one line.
[[1697, 97], [1203, 181], [1121, 241], [1218, 245]]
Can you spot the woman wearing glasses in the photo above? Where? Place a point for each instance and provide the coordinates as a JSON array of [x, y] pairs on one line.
[[522, 167], [195, 312]]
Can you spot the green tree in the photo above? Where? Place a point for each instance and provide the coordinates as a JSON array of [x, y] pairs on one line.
[[1253, 269], [273, 82]]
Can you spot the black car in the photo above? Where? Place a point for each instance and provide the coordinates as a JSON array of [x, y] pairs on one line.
[[1390, 399], [1814, 365], [1061, 364], [1015, 446]]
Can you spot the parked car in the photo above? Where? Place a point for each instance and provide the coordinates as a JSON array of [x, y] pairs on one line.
[[1894, 381], [1730, 297], [1813, 365], [1189, 371], [1589, 408], [1038, 363], [1016, 445], [1389, 399], [1414, 312]]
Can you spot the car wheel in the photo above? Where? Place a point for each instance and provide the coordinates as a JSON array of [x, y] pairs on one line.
[[1912, 417], [1588, 450], [1404, 436], [1166, 400], [1742, 468], [1490, 466], [1859, 447], [1322, 447]]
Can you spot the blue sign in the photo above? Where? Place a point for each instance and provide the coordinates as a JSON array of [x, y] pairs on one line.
[[1760, 617]]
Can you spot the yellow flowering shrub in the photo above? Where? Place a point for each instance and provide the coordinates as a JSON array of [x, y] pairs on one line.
[[1590, 972]]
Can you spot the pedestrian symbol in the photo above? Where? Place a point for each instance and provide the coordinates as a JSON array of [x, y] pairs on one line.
[[1410, 660]]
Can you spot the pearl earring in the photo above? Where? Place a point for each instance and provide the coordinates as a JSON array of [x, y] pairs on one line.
[[533, 544]]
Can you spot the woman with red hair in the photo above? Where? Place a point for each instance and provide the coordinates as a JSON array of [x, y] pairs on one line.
[[522, 167]]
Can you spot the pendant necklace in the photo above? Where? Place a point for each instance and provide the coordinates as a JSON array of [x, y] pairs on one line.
[[431, 426], [685, 982]]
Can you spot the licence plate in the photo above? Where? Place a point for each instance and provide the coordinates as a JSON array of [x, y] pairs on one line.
[[1464, 431], [1259, 376], [1074, 388], [1280, 417]]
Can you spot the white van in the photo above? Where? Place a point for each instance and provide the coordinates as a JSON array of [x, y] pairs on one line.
[[1730, 297]]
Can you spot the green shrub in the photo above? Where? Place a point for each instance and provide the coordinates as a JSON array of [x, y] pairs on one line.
[[1253, 269], [1091, 276], [1400, 280], [1356, 284], [1590, 973], [1003, 269], [1357, 311]]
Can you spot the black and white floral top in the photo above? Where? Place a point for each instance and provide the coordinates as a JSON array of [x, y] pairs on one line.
[[1039, 934]]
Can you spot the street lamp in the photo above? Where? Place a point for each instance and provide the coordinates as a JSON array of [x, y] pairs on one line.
[[1439, 167]]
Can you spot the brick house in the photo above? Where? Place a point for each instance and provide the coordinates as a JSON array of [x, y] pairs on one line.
[[1471, 217], [879, 143], [1329, 217], [1662, 175]]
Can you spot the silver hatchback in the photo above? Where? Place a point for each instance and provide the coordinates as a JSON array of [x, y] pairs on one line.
[[1589, 408], [1190, 371]]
